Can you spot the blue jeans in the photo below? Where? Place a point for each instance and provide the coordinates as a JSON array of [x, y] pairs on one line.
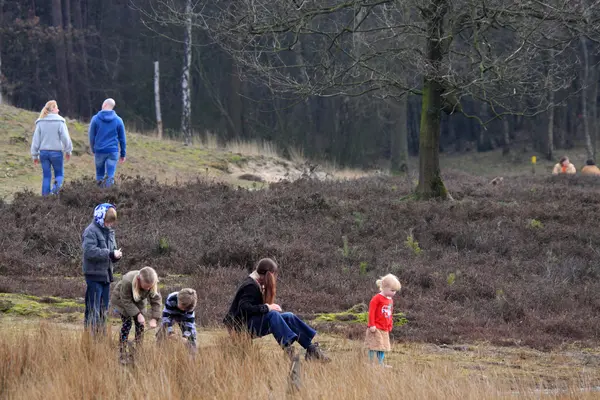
[[51, 160], [380, 356], [285, 327], [106, 166], [96, 305]]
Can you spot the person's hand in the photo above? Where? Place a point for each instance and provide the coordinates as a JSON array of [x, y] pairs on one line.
[[117, 254], [36, 161], [122, 160], [373, 329], [153, 323], [274, 307], [141, 319], [68, 157]]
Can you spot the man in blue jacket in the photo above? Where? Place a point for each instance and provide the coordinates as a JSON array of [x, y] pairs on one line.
[[107, 133]]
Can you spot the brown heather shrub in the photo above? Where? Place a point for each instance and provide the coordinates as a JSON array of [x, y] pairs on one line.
[[513, 282]]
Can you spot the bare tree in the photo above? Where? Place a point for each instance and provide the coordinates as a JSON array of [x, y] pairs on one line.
[[159, 123], [585, 99], [445, 51], [1, 77], [186, 113], [61, 57]]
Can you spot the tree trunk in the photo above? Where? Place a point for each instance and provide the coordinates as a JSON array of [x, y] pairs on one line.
[[235, 104], [1, 24], [594, 105], [430, 179], [78, 19], [506, 132], [159, 124], [186, 113], [70, 57], [482, 137], [399, 140], [584, 99], [61, 58], [550, 148]]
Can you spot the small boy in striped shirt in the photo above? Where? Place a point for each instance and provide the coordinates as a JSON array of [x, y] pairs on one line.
[[179, 308]]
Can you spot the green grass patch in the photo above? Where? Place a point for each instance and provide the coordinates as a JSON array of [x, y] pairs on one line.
[[356, 315]]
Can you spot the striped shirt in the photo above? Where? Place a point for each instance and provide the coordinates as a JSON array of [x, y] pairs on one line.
[[185, 319]]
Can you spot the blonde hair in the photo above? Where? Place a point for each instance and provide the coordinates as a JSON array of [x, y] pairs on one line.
[[110, 216], [388, 282], [148, 275], [47, 108], [187, 298]]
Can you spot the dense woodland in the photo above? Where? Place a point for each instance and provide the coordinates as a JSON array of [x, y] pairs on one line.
[[301, 96]]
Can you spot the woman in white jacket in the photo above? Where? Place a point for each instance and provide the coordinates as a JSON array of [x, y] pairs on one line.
[[50, 140]]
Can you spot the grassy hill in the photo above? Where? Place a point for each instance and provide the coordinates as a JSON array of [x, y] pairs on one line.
[[170, 161], [164, 160]]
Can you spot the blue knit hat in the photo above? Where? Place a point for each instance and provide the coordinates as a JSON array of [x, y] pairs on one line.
[[100, 213]]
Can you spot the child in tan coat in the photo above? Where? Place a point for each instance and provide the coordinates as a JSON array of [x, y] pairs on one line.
[[129, 299]]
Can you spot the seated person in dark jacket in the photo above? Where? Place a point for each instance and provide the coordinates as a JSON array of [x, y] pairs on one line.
[[253, 310]]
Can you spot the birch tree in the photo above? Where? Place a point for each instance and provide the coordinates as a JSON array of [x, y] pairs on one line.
[[186, 100]]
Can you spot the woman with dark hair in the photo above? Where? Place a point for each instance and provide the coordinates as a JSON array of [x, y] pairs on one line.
[[253, 310]]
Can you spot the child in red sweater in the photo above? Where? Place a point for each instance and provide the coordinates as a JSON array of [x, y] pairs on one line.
[[381, 317]]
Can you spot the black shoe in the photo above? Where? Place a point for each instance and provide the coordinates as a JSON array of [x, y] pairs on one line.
[[314, 353]]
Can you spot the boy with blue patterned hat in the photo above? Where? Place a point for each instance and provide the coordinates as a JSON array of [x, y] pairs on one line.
[[99, 253]]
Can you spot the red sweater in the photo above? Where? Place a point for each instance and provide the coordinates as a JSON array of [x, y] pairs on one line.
[[380, 312]]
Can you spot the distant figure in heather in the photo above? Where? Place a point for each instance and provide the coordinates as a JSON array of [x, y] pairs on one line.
[[564, 166], [253, 311], [590, 169], [50, 140], [107, 134]]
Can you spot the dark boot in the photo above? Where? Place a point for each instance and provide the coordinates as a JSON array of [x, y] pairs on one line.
[[315, 353]]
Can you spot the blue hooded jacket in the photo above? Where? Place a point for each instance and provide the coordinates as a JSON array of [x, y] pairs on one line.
[[107, 132]]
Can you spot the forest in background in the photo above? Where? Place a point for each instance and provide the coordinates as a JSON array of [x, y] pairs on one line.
[[80, 52]]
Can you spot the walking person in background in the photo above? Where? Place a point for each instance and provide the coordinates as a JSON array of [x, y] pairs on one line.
[[50, 140], [107, 134], [381, 318], [99, 253], [564, 166]]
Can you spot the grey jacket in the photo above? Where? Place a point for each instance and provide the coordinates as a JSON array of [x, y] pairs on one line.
[[98, 246], [51, 133]]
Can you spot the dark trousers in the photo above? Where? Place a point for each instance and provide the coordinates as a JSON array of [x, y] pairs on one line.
[[96, 305], [126, 327], [285, 327]]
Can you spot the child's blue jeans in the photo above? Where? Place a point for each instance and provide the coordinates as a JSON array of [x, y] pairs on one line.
[[96, 305], [380, 355]]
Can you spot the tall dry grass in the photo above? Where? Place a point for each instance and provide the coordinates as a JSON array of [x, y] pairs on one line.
[[49, 363]]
